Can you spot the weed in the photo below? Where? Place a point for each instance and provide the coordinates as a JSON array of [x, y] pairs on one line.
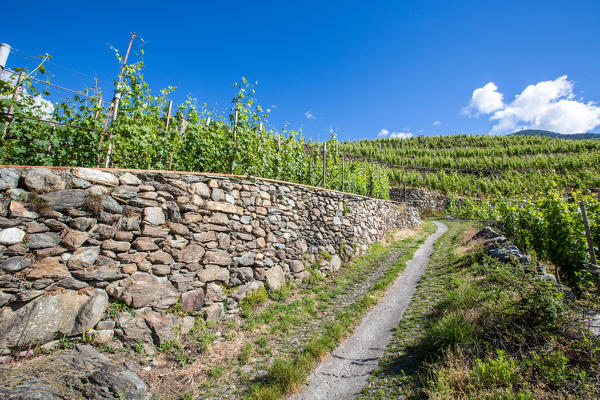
[[115, 307], [202, 334], [94, 203], [66, 342], [283, 293], [246, 353], [139, 347], [217, 371], [254, 299]]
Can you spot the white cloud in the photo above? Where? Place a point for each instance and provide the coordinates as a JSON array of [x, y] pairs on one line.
[[485, 100], [436, 123], [397, 135], [41, 107], [309, 115], [401, 135], [548, 105]]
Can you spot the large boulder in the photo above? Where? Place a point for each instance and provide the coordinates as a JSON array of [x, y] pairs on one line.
[[275, 277], [49, 317], [142, 289], [80, 373]]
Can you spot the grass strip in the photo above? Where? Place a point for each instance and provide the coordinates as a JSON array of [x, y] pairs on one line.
[[287, 374]]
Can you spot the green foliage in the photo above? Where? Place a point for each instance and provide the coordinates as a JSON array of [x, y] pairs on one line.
[[116, 306], [198, 139], [495, 371]]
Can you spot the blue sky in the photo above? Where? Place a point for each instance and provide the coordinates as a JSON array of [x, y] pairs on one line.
[[363, 68]]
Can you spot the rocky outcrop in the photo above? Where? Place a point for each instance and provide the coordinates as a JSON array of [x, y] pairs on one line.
[[71, 238], [70, 374]]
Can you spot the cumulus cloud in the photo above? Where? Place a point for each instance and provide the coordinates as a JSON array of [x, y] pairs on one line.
[[436, 123], [309, 115], [396, 135], [39, 105], [547, 105]]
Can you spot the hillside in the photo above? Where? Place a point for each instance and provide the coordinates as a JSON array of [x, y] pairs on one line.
[[556, 135]]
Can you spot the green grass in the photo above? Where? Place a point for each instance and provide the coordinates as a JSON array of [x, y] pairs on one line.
[[481, 329], [286, 374]]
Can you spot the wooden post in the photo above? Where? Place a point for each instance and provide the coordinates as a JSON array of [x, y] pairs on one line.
[[310, 161], [404, 183], [588, 233], [98, 104], [260, 129], [325, 164], [168, 114], [102, 137], [235, 118], [116, 99], [14, 97], [279, 141]]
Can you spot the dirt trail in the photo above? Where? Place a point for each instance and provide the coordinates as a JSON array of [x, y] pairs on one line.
[[345, 373]]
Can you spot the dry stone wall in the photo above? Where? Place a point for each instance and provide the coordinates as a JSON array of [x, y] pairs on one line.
[[71, 238], [422, 199]]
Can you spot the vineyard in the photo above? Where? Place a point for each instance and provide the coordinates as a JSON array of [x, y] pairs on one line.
[[533, 184]]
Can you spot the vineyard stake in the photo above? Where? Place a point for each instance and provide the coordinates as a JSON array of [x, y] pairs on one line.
[[235, 119], [98, 104], [588, 233], [14, 98], [116, 99], [4, 52], [168, 114]]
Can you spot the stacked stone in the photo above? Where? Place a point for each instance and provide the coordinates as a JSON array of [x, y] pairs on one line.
[[422, 199], [70, 237]]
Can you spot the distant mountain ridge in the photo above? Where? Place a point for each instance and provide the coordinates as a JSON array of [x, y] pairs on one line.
[[538, 132]]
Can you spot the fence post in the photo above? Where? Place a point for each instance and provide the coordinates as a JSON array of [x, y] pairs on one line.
[[235, 118], [588, 233], [14, 98], [325, 164], [167, 131]]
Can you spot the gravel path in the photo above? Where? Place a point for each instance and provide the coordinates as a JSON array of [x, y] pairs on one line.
[[344, 374]]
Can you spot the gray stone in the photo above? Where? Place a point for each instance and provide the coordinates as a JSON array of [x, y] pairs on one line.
[[246, 259], [218, 195], [18, 210], [111, 205], [221, 207], [72, 284], [161, 269], [83, 257], [96, 176], [213, 273], [125, 192], [8, 179], [105, 325], [275, 277], [105, 231], [44, 240], [142, 289], [246, 289], [116, 246], [99, 273], [79, 183], [15, 264], [214, 312], [79, 223], [297, 266], [154, 215], [214, 292], [65, 199], [132, 329], [47, 318], [200, 189], [41, 180], [164, 327], [192, 300], [218, 257], [154, 231], [48, 268], [5, 298], [335, 263], [129, 179], [11, 236], [160, 257], [145, 244], [191, 254], [74, 239]]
